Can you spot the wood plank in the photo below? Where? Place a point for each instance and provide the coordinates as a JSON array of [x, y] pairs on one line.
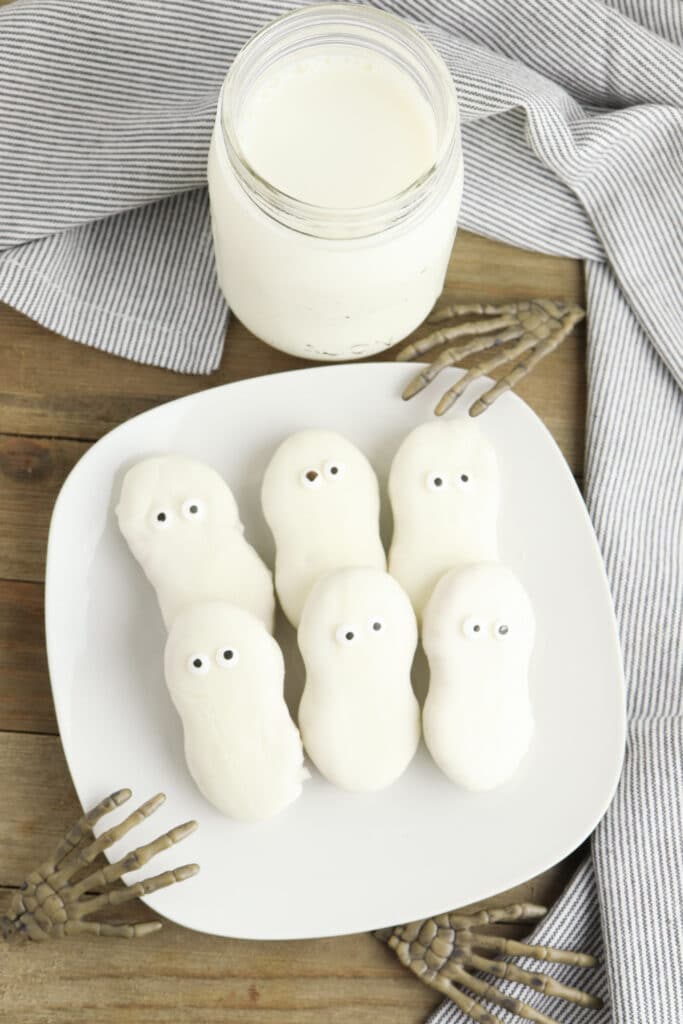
[[25, 697], [177, 974], [37, 800], [32, 470], [50, 387], [180, 976]]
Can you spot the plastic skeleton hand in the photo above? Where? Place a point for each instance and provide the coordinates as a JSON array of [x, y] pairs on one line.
[[521, 333], [443, 951], [53, 901]]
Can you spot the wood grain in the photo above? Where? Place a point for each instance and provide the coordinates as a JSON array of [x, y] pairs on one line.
[[25, 697], [180, 976], [32, 470], [56, 398]]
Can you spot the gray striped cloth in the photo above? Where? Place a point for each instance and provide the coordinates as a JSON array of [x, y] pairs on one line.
[[573, 138]]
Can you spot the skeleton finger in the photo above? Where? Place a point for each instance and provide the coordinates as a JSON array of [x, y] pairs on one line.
[[487, 991], [540, 982], [494, 915], [469, 1006], [439, 337], [81, 857], [117, 896], [475, 309], [455, 354], [542, 350], [132, 861], [119, 931], [79, 831], [510, 947], [481, 369]]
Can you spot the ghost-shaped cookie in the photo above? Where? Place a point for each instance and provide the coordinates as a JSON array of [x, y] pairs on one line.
[[225, 674], [321, 500], [443, 488], [359, 719], [182, 524], [478, 635]]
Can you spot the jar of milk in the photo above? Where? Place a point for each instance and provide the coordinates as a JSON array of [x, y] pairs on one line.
[[335, 177]]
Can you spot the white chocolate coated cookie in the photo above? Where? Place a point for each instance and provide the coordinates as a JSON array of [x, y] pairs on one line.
[[478, 635], [182, 524], [443, 488], [225, 674], [321, 500], [359, 719]]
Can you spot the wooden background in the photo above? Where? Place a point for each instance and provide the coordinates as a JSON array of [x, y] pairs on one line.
[[56, 398]]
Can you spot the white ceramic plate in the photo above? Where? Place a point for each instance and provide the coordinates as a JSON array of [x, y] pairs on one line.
[[334, 862]]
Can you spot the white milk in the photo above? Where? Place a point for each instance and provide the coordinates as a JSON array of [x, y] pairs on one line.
[[322, 252], [342, 131]]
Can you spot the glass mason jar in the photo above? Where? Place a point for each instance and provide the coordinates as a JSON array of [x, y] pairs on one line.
[[330, 283]]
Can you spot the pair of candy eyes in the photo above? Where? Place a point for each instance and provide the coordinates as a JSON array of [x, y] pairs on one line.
[[225, 657], [439, 481], [192, 510], [346, 634], [312, 477], [475, 629]]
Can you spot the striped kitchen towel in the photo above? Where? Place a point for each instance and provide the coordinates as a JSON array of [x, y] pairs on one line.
[[573, 140]]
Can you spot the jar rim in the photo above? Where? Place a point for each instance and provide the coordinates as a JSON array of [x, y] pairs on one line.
[[328, 221]]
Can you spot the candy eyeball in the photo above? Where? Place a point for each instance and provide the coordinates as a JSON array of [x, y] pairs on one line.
[[376, 625], [501, 630], [473, 628], [436, 481], [463, 481], [311, 478], [334, 470], [193, 510], [161, 518], [346, 634], [227, 657], [198, 664]]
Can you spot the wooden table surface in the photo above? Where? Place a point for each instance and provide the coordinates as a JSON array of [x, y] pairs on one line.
[[56, 398]]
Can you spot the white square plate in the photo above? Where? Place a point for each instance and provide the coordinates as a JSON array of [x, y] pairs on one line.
[[334, 862]]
